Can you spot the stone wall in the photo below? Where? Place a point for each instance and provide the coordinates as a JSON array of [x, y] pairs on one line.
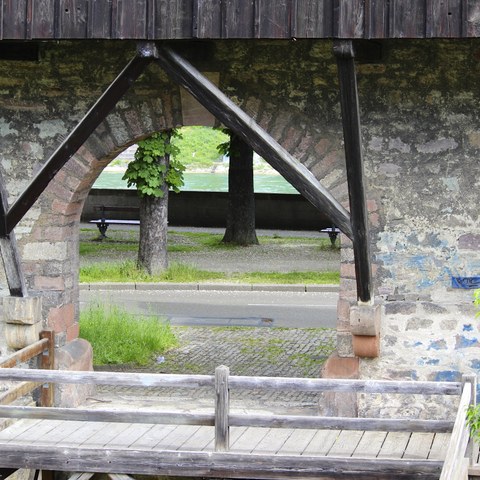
[[419, 108]]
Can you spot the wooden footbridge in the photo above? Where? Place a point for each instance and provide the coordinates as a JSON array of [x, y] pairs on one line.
[[222, 443]]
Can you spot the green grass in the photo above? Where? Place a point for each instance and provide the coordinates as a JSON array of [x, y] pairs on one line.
[[118, 337], [182, 273]]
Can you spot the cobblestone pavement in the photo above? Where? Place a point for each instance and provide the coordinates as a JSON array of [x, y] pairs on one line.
[[287, 352]]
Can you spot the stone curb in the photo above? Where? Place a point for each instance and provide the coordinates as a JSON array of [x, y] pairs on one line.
[[231, 287]]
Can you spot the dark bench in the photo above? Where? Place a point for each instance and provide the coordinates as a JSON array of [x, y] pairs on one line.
[[332, 233], [103, 222]]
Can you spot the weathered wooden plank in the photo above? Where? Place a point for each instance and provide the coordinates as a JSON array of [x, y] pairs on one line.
[[43, 19], [32, 435], [444, 19], [407, 19], [14, 19], [208, 14], [72, 18], [273, 441], [10, 433], [60, 432], [127, 437], [297, 442], [419, 445], [394, 445], [222, 409], [439, 446], [238, 19], [176, 438], [47, 362], [345, 443], [321, 442], [471, 18], [241, 382], [376, 19], [174, 19], [80, 476], [83, 434], [129, 19], [207, 464], [106, 434], [199, 439], [235, 433], [244, 126], [18, 391], [349, 20], [273, 20], [122, 416], [314, 19], [370, 444], [99, 22], [25, 354], [334, 423], [248, 440]]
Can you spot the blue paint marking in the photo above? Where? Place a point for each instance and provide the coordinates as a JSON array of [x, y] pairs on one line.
[[468, 328], [437, 345], [475, 364], [433, 361], [464, 342], [467, 283], [448, 376]]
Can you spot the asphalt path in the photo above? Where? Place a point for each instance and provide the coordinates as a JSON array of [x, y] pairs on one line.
[[226, 308]]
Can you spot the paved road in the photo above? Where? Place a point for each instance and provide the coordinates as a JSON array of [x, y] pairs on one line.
[[235, 308]]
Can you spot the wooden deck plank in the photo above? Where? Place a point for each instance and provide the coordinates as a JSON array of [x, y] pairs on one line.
[[419, 445], [84, 433], [370, 445], [235, 433], [273, 440], [153, 437], [297, 442], [176, 438], [321, 442], [128, 436], [439, 446], [63, 430], [250, 438], [200, 439], [102, 437], [346, 443], [20, 426], [33, 435], [394, 445]]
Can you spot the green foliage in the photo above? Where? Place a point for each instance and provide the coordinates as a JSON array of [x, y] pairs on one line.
[[118, 337], [291, 277], [198, 145], [473, 413], [476, 300], [147, 174]]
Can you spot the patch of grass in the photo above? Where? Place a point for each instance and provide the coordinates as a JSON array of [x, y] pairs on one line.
[[92, 248], [128, 272], [118, 337], [290, 277]]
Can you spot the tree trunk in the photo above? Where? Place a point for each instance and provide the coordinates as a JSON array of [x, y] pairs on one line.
[[240, 228], [152, 251]]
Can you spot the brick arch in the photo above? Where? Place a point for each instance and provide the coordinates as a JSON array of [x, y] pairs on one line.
[[56, 230]]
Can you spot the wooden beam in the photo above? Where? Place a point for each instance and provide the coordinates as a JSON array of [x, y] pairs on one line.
[[211, 464], [245, 127], [9, 250], [79, 135], [353, 156], [6, 472]]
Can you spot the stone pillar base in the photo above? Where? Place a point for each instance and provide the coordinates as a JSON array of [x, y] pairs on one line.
[[76, 355], [339, 404]]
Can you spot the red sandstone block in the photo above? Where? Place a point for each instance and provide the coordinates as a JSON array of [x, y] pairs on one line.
[[73, 332], [48, 283], [321, 148], [347, 270], [61, 318], [343, 314], [366, 346], [341, 367]]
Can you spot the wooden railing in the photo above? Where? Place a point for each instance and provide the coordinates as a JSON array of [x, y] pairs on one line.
[[222, 419], [45, 350]]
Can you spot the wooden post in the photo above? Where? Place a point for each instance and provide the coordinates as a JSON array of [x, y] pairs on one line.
[[472, 449], [353, 156], [47, 361], [222, 408]]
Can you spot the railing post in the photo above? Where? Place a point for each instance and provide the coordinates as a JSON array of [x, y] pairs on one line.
[[47, 360], [472, 449], [222, 407]]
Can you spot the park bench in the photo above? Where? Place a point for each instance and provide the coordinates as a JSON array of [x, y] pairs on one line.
[[103, 222], [332, 233], [225, 443]]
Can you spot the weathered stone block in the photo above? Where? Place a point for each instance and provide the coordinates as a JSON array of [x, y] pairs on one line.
[[20, 336], [344, 344], [22, 310], [365, 319]]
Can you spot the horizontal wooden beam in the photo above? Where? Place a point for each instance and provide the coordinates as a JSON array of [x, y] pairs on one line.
[[25, 354], [79, 135], [211, 464], [195, 381], [245, 127]]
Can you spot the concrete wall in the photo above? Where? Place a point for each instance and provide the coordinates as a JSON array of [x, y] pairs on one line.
[[421, 130], [209, 209]]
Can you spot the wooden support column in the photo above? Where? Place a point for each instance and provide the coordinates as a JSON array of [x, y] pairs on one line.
[[245, 127], [9, 251], [80, 134], [353, 155]]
